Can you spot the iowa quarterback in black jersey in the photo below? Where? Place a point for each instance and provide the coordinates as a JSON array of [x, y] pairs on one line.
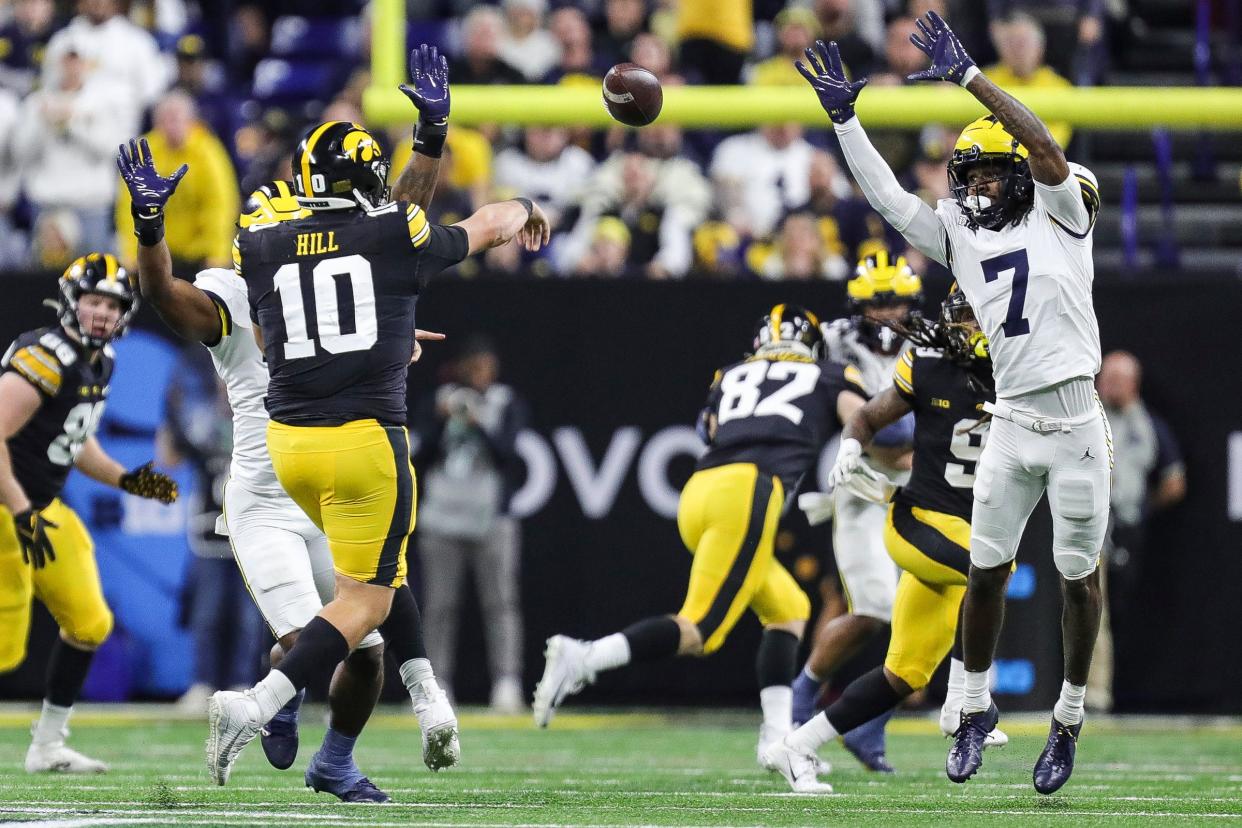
[[52, 394], [767, 419], [944, 380], [333, 296]]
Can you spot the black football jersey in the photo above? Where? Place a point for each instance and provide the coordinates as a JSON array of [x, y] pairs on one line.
[[948, 439], [334, 295], [776, 411], [73, 388]]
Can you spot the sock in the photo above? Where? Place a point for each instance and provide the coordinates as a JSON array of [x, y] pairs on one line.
[[1068, 709], [403, 629], [976, 691], [811, 675], [272, 693], [414, 672], [609, 653], [66, 673], [337, 750], [776, 663], [319, 648], [866, 697], [652, 639], [289, 713], [777, 705], [952, 707], [52, 722], [812, 735]]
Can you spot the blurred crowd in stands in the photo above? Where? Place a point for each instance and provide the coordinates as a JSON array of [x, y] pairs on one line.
[[226, 86]]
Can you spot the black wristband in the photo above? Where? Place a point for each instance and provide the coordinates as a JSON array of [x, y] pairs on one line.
[[429, 138], [528, 204], [148, 229]]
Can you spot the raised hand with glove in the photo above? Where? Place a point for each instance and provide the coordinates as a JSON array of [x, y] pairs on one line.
[[950, 62], [149, 191], [428, 90], [826, 74]]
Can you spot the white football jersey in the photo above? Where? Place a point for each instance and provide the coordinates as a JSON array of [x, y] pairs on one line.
[[240, 364], [1030, 285], [843, 346]]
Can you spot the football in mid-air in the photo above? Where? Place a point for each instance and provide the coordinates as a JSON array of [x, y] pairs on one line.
[[632, 94]]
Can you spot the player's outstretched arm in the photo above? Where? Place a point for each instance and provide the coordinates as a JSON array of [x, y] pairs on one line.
[[144, 481], [905, 211], [185, 309], [495, 224], [949, 62], [882, 410], [429, 92]]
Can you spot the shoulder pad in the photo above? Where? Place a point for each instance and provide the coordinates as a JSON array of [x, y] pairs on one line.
[[39, 365]]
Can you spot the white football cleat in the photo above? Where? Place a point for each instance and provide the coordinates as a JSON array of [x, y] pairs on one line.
[[438, 722], [996, 738], [565, 672], [799, 769], [768, 736], [233, 720], [56, 757]]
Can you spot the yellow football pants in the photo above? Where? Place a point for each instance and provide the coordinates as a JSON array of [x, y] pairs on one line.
[[68, 586], [356, 483], [727, 517], [933, 549]]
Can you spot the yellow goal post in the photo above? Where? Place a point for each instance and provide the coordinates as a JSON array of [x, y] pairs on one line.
[[728, 107]]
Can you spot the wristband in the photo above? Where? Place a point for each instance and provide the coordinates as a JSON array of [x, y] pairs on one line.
[[528, 204], [148, 228], [429, 138], [969, 75]]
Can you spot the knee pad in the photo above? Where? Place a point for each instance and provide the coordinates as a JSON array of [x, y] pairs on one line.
[[915, 669], [1075, 564], [91, 632]]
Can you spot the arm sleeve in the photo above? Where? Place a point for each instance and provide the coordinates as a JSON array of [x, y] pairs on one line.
[[1073, 204], [905, 211], [443, 247]]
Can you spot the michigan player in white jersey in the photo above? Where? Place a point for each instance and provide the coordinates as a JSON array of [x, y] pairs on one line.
[[283, 556], [1017, 235], [884, 290]]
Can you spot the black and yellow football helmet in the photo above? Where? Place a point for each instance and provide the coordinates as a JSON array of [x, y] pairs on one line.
[[986, 141], [882, 281], [270, 203], [337, 162], [790, 326], [95, 273]]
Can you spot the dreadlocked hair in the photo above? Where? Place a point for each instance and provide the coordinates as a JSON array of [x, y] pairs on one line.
[[956, 341]]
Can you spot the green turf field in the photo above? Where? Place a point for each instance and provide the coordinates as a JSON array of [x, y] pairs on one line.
[[625, 769]]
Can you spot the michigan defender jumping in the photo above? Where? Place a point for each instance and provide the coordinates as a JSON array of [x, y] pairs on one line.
[[927, 530], [1017, 234], [766, 420], [52, 394], [333, 295]]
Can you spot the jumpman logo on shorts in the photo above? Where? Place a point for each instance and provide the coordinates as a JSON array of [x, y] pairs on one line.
[[1087, 455]]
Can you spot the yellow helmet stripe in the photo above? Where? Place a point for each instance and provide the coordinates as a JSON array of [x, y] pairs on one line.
[[775, 321], [306, 154], [110, 267]]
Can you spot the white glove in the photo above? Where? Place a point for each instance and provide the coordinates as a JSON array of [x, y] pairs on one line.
[[849, 458], [870, 484], [817, 506]]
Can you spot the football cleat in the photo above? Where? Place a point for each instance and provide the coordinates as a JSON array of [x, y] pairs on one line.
[[799, 769], [950, 717], [565, 672], [1056, 763], [233, 720], [346, 784], [280, 736], [868, 744], [56, 757], [438, 723], [966, 755]]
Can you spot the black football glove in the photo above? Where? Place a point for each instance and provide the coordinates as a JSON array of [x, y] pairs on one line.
[[32, 537], [145, 481]]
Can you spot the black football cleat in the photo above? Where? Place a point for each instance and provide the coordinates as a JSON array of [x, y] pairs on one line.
[[280, 736], [867, 743], [966, 755], [1056, 763]]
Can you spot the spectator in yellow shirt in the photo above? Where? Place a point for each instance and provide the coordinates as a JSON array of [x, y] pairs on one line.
[[716, 36], [202, 215], [470, 166], [1019, 42], [796, 29]]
